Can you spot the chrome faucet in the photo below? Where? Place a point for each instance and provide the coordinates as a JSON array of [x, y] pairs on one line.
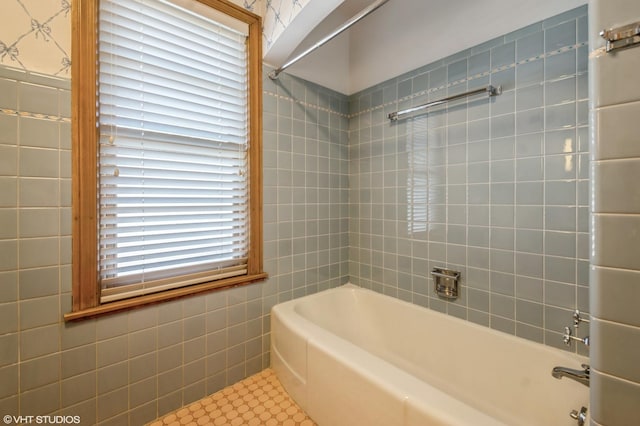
[[580, 376]]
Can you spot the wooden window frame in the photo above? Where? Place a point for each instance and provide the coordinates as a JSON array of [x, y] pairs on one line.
[[84, 68]]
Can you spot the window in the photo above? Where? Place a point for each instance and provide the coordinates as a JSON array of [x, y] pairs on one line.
[[167, 194]]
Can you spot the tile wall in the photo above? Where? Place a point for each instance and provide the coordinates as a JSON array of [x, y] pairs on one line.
[[306, 204], [495, 188], [615, 264], [131, 367]]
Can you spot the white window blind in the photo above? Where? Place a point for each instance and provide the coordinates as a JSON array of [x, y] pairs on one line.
[[173, 126]]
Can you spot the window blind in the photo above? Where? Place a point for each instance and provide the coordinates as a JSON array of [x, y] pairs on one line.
[[173, 123]]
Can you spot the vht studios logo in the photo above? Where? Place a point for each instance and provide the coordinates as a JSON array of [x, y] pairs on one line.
[[41, 420]]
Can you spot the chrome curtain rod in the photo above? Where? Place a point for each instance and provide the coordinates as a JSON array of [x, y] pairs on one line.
[[273, 75], [490, 90]]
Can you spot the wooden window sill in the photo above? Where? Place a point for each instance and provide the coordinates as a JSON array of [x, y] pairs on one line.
[[136, 302]]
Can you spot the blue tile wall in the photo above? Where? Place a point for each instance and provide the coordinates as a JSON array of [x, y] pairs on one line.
[[497, 188], [130, 367], [306, 174]]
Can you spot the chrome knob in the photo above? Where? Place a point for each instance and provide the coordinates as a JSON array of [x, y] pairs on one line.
[[579, 416]]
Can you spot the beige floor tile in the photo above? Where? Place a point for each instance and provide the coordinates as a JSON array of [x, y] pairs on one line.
[[259, 400]]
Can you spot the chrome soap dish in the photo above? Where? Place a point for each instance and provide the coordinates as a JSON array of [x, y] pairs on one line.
[[446, 282]]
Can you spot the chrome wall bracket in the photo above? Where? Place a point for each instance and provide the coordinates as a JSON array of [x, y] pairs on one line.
[[622, 37]]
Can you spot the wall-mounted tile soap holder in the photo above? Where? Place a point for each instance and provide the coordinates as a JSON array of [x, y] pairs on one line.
[[446, 282]]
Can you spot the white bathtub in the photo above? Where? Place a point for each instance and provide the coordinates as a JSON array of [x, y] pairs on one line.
[[350, 356]]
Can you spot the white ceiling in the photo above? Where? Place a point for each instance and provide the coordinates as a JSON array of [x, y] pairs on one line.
[[405, 34]]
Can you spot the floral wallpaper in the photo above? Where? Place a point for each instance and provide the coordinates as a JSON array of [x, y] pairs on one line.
[[253, 5], [35, 35], [278, 15]]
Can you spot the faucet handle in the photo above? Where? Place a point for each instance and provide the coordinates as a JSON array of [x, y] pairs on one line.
[[567, 338], [579, 416], [578, 318]]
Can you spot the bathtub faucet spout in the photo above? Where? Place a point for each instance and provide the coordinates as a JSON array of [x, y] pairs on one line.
[[580, 376]]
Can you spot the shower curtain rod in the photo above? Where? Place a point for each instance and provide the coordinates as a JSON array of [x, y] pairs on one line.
[[273, 75], [489, 90]]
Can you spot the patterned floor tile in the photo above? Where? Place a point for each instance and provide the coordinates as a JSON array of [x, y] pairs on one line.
[[259, 400]]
